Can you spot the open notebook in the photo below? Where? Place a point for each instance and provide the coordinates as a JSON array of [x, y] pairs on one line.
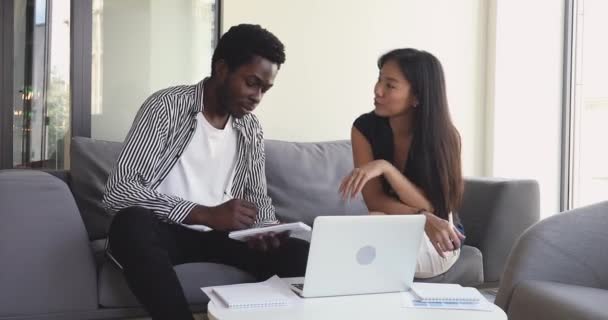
[[251, 296], [441, 292]]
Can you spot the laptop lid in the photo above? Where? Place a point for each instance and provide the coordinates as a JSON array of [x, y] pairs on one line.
[[362, 254]]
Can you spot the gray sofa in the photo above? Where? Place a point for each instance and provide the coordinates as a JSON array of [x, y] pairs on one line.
[[53, 229], [558, 269]]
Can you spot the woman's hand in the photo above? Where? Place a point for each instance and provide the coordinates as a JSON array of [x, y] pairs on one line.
[[354, 182], [442, 234]]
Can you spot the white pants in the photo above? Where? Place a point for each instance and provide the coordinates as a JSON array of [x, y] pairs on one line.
[[429, 263]]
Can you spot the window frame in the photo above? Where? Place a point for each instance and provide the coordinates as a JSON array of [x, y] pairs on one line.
[[568, 105], [6, 83]]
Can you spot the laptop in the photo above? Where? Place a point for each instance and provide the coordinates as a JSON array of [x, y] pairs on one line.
[[352, 255]]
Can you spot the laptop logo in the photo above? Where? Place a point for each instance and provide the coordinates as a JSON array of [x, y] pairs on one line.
[[366, 255]]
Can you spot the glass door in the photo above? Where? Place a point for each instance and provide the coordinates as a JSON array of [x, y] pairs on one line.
[[41, 73]]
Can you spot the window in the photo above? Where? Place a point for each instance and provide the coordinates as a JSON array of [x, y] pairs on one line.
[[41, 79], [525, 121], [588, 153]]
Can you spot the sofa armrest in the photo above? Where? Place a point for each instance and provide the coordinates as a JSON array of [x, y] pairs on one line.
[[557, 301], [63, 175], [565, 248], [495, 212], [46, 263]]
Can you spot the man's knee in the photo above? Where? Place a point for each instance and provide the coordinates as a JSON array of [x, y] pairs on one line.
[[293, 258]]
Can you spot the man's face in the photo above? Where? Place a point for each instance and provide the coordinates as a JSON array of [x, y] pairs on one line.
[[243, 88]]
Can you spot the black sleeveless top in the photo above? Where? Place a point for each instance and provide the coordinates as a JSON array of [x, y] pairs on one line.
[[378, 132]]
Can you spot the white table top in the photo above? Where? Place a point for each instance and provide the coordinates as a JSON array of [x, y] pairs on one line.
[[372, 306]]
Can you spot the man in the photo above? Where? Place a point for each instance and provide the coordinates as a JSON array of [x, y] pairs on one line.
[[195, 156]]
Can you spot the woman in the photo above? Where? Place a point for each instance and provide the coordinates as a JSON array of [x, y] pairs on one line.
[[407, 155]]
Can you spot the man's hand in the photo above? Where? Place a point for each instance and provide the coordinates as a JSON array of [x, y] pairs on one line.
[[235, 214], [267, 241]]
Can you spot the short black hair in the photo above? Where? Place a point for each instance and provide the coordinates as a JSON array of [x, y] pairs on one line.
[[242, 42]]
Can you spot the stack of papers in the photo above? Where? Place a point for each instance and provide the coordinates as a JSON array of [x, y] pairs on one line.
[[273, 292], [445, 296]]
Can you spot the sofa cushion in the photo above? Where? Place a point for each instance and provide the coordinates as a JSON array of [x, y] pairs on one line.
[[91, 163], [467, 271], [541, 300], [303, 179], [114, 291]]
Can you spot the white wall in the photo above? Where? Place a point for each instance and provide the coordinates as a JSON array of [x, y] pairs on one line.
[[332, 48], [525, 99], [125, 43], [147, 46]]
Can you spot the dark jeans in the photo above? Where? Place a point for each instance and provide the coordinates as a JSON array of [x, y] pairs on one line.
[[148, 248]]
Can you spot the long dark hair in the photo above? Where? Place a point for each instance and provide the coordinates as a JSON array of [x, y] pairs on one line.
[[433, 163]]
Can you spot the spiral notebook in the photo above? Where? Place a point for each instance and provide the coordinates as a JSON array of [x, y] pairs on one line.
[[251, 296], [442, 292], [273, 292]]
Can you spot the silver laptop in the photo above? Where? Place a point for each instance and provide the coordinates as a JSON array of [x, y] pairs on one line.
[[361, 254]]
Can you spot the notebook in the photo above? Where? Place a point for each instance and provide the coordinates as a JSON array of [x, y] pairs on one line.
[[295, 229], [409, 300], [443, 292], [254, 295]]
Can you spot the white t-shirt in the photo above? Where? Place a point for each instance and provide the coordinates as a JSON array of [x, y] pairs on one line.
[[204, 172]]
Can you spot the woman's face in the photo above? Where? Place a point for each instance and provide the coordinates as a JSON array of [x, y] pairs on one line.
[[392, 93]]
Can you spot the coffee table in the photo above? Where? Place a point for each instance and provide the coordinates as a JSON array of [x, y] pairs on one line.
[[386, 306]]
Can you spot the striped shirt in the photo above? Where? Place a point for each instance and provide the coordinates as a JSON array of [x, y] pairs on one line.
[[162, 129]]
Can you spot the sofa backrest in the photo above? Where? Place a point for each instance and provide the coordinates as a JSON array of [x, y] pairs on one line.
[[91, 163], [303, 179]]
